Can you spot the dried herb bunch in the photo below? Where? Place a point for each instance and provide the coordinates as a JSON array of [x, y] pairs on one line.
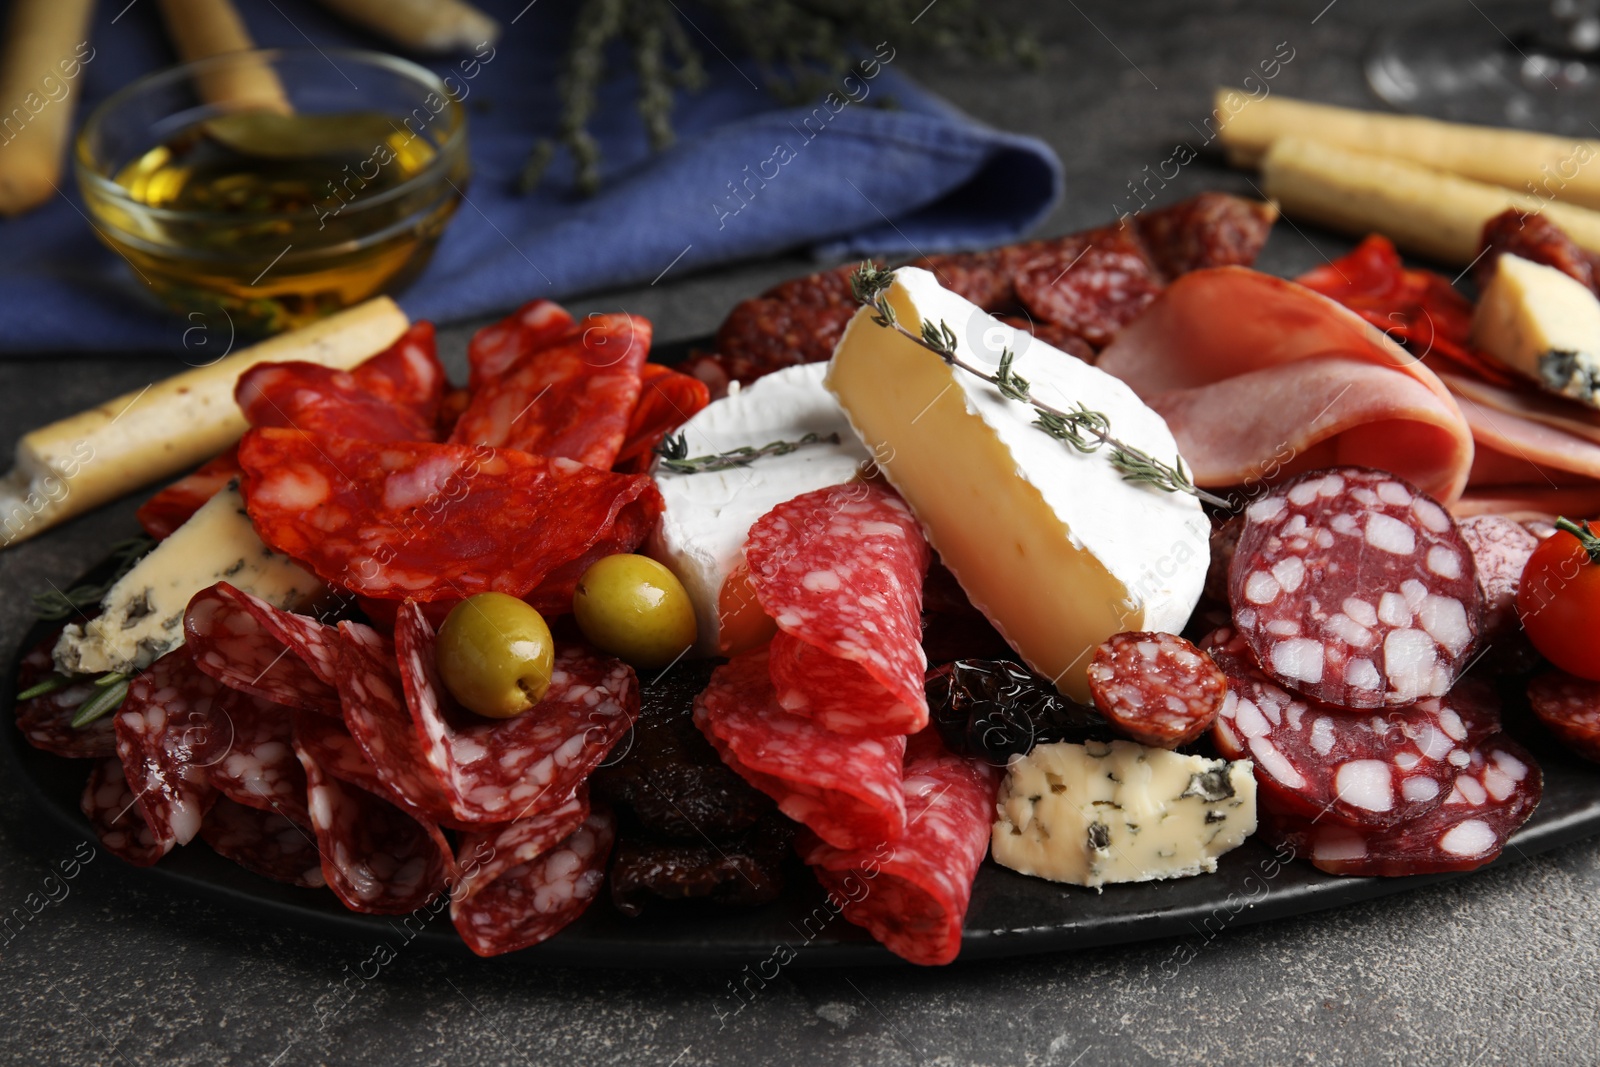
[[802, 46]]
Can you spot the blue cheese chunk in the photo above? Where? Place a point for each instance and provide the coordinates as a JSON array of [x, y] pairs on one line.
[[1120, 812], [141, 617], [1544, 323]]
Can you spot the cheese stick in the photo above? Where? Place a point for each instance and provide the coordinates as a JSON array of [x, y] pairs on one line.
[[421, 25], [201, 29], [1426, 212], [45, 46], [81, 462], [1542, 165]]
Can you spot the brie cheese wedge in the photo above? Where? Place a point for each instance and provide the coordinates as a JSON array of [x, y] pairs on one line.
[[1544, 323]]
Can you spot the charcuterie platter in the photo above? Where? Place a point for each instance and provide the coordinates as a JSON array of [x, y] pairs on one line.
[[994, 603]]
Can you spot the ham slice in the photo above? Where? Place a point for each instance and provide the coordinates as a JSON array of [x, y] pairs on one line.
[[1259, 377]]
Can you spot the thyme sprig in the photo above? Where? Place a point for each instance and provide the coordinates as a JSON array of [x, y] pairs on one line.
[[1082, 428], [54, 605], [674, 453]]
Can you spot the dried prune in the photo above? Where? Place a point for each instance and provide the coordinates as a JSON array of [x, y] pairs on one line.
[[996, 709]]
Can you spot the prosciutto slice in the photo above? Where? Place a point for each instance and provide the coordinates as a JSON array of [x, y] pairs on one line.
[[1259, 376]]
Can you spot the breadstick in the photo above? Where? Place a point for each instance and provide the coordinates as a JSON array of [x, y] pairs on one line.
[[201, 29], [1541, 165], [83, 461], [45, 41], [1426, 212], [421, 25]]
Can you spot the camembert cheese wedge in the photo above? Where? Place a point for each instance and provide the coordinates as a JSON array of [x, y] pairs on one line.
[[1050, 543], [142, 614], [1544, 323]]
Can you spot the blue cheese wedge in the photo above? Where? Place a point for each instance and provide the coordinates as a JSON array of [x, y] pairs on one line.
[[1544, 323], [141, 617], [1052, 544], [1120, 812], [708, 515]]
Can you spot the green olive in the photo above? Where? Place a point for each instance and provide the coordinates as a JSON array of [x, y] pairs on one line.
[[637, 610], [495, 655]]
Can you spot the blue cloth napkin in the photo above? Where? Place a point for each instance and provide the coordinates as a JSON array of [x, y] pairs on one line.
[[748, 176]]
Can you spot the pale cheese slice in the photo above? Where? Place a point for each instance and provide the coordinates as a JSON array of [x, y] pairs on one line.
[[1544, 323]]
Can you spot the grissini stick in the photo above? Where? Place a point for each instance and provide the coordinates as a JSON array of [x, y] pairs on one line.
[[1424, 211], [200, 29], [421, 25], [46, 44], [83, 461], [1542, 165]]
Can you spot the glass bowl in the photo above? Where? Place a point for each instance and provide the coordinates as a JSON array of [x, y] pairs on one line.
[[277, 186]]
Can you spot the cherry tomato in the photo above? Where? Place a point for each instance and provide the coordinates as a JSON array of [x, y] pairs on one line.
[[1559, 599]]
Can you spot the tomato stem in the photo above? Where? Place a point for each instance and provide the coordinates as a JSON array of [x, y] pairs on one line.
[[1586, 537]]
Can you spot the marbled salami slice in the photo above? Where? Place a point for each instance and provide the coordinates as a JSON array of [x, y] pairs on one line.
[[1494, 795], [177, 503], [1156, 688], [1355, 587], [495, 348], [498, 770], [249, 645], [1093, 283], [1500, 550], [912, 893], [667, 400], [1374, 769], [46, 721], [427, 522], [841, 571], [113, 811], [536, 900], [485, 855], [846, 789], [265, 843], [259, 768], [572, 399], [1569, 707]]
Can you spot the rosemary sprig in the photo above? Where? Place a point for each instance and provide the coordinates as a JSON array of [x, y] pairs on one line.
[[112, 690], [674, 453], [54, 605], [1083, 429], [49, 684]]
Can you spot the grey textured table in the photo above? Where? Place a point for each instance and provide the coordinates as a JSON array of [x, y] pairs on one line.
[[1497, 968]]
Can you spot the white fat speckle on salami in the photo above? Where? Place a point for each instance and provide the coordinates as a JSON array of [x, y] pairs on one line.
[[1500, 550], [249, 645], [259, 768], [1494, 795], [912, 893], [113, 812], [265, 843], [846, 789], [1569, 707], [533, 900], [46, 721], [1315, 544], [841, 570], [1156, 688], [1377, 768]]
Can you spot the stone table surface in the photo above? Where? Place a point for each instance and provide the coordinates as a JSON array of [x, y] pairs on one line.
[[1495, 968]]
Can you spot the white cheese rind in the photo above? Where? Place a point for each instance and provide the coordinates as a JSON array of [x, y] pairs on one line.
[[701, 534], [1050, 543], [1120, 812], [1544, 323], [142, 616]]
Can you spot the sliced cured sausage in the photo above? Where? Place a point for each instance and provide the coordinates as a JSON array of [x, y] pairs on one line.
[[1570, 708], [265, 843], [259, 768], [1377, 769], [1156, 688], [495, 348], [1495, 794], [667, 400], [912, 893], [841, 571], [177, 503], [1500, 550], [1092, 284], [113, 812], [249, 645], [1355, 588], [1207, 230], [46, 721]]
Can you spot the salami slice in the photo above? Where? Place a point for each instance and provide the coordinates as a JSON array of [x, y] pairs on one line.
[[1379, 769], [1569, 707], [987, 278], [536, 900], [172, 727], [912, 893], [1500, 550], [1533, 236], [177, 503], [498, 770], [765, 334], [265, 843], [375, 857], [1207, 230], [430, 522], [1156, 688], [258, 767], [841, 571], [667, 400], [569, 400], [1354, 587], [113, 811], [1495, 794], [328, 741], [485, 855], [495, 348], [846, 789], [249, 645], [46, 721], [1092, 283]]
